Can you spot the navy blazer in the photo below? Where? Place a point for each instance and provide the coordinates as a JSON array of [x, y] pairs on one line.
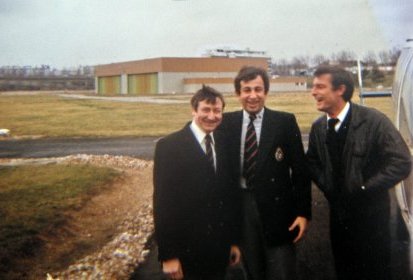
[[281, 186]]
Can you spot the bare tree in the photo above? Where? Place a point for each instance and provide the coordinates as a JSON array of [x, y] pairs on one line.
[[394, 55], [370, 58], [385, 57], [320, 59], [344, 58], [299, 64], [281, 67]]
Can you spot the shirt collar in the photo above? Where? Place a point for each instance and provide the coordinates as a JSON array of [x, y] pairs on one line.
[[259, 115], [343, 114], [199, 133]]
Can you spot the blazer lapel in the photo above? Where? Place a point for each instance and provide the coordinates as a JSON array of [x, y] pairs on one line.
[[235, 130], [193, 147], [196, 152], [268, 131], [219, 152]]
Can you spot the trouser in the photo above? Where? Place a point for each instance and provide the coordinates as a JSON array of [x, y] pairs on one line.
[[192, 273], [361, 245], [261, 261]]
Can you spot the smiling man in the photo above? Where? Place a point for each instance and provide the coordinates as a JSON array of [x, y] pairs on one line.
[[195, 205], [355, 156], [269, 165]]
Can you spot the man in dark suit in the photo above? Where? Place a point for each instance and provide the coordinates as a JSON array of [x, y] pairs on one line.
[[268, 159], [195, 202], [355, 156]]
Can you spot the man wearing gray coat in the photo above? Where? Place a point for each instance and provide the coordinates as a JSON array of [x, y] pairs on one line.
[[355, 156]]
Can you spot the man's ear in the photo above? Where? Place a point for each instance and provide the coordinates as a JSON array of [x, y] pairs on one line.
[[341, 89]]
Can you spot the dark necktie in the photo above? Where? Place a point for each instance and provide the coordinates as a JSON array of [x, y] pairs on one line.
[[250, 152], [332, 141], [331, 132], [332, 123], [208, 150]]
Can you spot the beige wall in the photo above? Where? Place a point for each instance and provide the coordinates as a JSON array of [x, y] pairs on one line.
[[229, 87], [223, 88], [175, 82], [226, 84], [287, 86]]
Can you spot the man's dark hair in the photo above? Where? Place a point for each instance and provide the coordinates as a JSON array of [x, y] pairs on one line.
[[248, 73], [209, 94], [339, 77]]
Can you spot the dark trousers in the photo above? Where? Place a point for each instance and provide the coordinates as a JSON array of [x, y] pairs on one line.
[[361, 243], [261, 261], [191, 273], [194, 269], [197, 276]]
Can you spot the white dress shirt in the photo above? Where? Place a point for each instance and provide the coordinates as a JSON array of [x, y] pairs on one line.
[[341, 117], [200, 137]]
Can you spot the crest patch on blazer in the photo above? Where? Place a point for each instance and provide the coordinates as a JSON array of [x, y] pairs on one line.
[[279, 154]]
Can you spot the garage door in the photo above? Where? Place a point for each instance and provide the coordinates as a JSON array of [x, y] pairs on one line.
[[139, 84], [109, 85]]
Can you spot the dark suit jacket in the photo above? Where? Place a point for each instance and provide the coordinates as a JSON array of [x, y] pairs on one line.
[[195, 209], [282, 187]]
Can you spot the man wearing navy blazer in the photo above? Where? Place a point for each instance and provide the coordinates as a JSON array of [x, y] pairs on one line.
[[195, 203], [277, 201]]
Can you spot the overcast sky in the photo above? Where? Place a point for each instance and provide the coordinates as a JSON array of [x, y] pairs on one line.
[[65, 33]]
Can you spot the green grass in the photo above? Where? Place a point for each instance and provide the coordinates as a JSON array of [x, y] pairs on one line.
[[49, 115], [34, 198]]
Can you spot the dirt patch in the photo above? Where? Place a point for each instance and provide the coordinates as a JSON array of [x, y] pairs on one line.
[[88, 229]]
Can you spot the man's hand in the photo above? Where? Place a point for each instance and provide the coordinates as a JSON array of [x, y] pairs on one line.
[[235, 255], [302, 224], [173, 269]]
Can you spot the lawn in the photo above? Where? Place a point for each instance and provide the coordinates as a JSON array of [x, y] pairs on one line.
[[48, 115], [34, 199]]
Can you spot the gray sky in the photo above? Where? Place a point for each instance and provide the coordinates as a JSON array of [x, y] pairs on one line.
[[65, 33]]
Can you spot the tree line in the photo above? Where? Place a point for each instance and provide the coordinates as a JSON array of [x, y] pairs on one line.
[[302, 64]]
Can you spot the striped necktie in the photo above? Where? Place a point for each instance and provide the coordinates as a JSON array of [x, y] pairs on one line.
[[208, 150], [250, 152]]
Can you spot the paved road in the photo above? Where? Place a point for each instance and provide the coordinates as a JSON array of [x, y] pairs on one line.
[[314, 253], [142, 147]]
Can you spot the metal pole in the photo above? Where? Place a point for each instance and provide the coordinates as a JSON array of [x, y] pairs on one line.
[[360, 81]]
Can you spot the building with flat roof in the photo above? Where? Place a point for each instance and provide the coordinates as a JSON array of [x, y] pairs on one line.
[[168, 75]]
